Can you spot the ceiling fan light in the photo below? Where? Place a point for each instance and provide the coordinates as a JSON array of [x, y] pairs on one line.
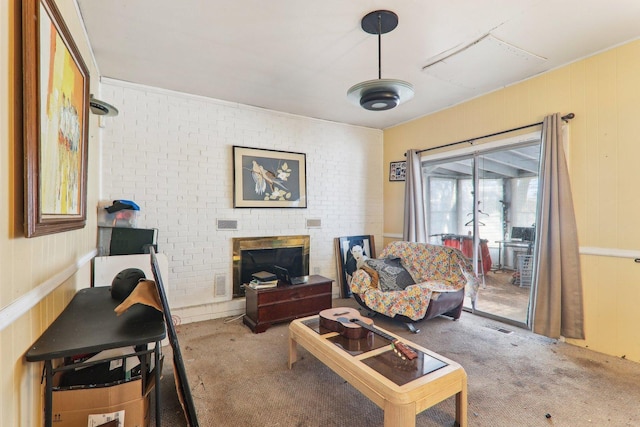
[[363, 92], [379, 100], [381, 94], [101, 108]]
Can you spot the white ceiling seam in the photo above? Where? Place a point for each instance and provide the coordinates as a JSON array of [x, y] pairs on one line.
[[483, 64]]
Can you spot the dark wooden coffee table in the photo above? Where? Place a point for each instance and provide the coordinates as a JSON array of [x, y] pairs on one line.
[[401, 388]]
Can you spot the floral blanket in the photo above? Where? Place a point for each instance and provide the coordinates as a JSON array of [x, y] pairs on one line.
[[434, 268]]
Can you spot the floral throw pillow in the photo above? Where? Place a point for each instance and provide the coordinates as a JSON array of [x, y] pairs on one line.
[[392, 275]]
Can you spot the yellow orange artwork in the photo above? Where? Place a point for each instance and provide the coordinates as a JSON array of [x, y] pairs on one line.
[[61, 135]]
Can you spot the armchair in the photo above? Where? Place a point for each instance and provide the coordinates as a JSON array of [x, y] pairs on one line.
[[441, 275]]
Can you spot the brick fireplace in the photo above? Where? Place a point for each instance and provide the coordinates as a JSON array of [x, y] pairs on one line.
[[253, 254]]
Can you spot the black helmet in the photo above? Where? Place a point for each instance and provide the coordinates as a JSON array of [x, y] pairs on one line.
[[125, 282]]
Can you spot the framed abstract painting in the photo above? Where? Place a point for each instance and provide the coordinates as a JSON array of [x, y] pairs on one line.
[[269, 178], [55, 114]]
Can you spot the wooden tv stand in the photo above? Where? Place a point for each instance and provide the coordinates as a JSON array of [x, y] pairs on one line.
[[284, 303]]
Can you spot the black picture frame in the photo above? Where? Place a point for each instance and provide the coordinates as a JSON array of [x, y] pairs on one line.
[[182, 382], [398, 171], [269, 178], [345, 262]]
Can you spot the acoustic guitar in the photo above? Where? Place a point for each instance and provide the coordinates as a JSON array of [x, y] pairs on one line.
[[350, 324]]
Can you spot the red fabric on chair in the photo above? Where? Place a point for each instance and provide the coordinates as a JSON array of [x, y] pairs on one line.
[[465, 244]]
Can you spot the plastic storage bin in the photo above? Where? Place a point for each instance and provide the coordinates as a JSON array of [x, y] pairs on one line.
[[121, 218], [525, 270]]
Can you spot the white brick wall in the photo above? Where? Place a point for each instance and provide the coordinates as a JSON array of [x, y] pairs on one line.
[[172, 154]]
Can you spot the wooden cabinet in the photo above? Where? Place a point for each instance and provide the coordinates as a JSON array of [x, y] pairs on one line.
[[286, 302]]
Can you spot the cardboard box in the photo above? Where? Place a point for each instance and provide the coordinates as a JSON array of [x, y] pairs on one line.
[[95, 406]]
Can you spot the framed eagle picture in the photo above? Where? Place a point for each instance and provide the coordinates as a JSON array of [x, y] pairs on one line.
[[268, 178]]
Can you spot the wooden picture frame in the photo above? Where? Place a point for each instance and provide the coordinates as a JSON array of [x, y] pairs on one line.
[[345, 261], [56, 122], [397, 171], [269, 178]]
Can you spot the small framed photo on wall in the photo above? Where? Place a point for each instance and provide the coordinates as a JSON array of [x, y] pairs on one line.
[[398, 171]]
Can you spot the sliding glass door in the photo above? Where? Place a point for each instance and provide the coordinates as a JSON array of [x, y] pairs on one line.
[[484, 203]]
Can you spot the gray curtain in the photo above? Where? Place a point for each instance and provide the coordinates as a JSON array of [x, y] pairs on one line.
[[558, 301], [415, 228]]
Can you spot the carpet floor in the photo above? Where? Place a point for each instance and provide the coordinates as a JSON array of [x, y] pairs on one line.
[[515, 378]]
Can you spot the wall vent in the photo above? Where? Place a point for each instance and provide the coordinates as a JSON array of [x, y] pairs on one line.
[[220, 285], [314, 223], [227, 224]]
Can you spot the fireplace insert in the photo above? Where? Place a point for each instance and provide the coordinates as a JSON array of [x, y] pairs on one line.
[[253, 254]]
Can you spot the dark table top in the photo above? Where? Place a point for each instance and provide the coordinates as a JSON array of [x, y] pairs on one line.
[[89, 325], [516, 243]]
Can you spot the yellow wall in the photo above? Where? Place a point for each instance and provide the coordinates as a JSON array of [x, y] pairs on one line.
[[604, 150], [603, 92], [25, 264]]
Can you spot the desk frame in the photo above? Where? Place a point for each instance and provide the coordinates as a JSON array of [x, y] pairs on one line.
[[89, 325], [504, 244]]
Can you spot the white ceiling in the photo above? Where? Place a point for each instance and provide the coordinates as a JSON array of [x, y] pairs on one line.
[[301, 56]]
